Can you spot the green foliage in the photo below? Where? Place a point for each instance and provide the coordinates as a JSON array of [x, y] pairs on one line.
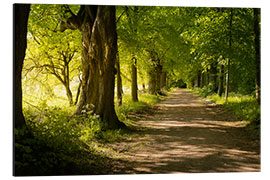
[[184, 41], [52, 57], [245, 107], [206, 90], [58, 139], [129, 106]]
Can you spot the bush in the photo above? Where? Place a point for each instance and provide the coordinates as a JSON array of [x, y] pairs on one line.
[[58, 138]]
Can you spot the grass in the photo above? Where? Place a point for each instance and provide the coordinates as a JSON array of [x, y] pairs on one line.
[[62, 144], [245, 107], [128, 105]]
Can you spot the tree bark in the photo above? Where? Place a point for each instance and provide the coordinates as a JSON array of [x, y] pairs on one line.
[[152, 82], [198, 79], [220, 79], [229, 61], [227, 80], [256, 13], [213, 74], [69, 94], [119, 81], [99, 48], [158, 72], [78, 92], [163, 82], [202, 79], [134, 86], [207, 78], [21, 14]]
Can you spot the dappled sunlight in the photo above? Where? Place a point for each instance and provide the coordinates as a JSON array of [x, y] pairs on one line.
[[193, 137]]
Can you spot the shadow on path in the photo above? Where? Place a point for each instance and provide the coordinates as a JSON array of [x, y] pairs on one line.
[[184, 134]]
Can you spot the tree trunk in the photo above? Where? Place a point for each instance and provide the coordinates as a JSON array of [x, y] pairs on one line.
[[99, 48], [192, 83], [21, 13], [134, 86], [119, 81], [168, 81], [152, 82], [213, 73], [202, 80], [198, 79], [229, 61], [78, 92], [163, 81], [158, 77], [69, 94], [256, 12], [220, 79], [227, 80], [207, 78]]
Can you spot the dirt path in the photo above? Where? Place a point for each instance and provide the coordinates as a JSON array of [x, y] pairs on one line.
[[186, 134]]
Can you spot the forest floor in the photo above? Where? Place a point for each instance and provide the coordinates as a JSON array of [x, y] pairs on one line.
[[185, 133]]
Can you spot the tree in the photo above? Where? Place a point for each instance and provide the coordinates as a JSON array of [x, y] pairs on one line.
[[134, 86], [256, 13], [221, 77], [21, 13], [49, 63], [229, 60], [99, 47], [57, 64], [119, 80]]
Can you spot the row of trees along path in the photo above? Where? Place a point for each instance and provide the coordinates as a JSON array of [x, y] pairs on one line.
[[185, 133]]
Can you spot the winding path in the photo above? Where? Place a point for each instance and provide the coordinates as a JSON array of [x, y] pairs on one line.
[[186, 134]]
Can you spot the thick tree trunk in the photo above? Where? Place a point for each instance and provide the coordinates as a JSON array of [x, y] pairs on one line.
[[134, 86], [256, 12], [21, 13], [119, 81], [99, 50], [220, 79]]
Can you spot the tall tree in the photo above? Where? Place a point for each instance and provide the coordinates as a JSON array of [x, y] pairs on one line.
[[256, 13], [230, 53], [119, 81], [99, 47], [21, 13], [220, 78], [134, 86]]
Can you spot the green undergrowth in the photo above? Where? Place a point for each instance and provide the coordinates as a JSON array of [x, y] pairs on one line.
[[63, 144], [145, 101], [128, 105], [245, 107]]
